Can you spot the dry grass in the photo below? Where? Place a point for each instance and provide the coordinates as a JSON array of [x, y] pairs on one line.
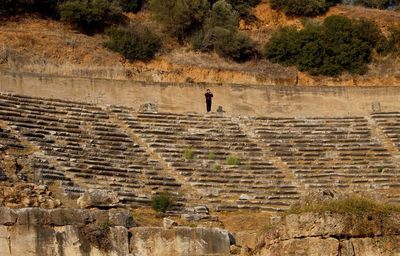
[[147, 217], [353, 205], [45, 46], [243, 220]]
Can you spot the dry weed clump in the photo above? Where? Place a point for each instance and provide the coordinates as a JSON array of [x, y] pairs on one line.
[[98, 236]]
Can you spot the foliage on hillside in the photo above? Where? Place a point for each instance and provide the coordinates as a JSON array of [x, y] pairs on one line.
[[337, 45], [308, 8], [134, 43], [90, 16], [213, 26], [220, 33]]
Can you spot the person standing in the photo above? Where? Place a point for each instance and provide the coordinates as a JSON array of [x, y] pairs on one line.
[[209, 96]]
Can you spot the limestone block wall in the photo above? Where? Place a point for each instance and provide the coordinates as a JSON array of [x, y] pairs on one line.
[[332, 234], [59, 232], [235, 99], [179, 242]]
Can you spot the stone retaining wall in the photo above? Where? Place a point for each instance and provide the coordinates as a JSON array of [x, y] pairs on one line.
[[332, 234], [59, 232], [235, 99]]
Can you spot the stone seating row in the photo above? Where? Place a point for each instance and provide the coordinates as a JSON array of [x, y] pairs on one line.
[[171, 134], [86, 146], [76, 134], [389, 122], [341, 153]]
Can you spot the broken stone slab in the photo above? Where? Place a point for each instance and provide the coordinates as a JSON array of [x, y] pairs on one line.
[[197, 217], [201, 209], [99, 199], [246, 197], [148, 107], [168, 223]]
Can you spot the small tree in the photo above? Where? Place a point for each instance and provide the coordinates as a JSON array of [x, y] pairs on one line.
[[131, 5], [180, 17], [134, 43], [162, 202], [331, 48], [390, 44], [220, 33], [236, 46], [44, 7], [222, 15], [90, 15]]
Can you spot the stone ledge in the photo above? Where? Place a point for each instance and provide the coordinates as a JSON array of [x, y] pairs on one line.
[[64, 217]]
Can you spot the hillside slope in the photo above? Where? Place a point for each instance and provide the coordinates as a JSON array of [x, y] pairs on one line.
[[46, 46]]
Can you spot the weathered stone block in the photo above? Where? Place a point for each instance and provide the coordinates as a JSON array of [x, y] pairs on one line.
[[69, 216], [377, 246], [98, 198], [33, 216], [5, 249], [179, 242], [310, 246], [7, 216], [119, 217]]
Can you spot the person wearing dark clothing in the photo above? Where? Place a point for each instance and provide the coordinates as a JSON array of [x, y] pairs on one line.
[[209, 96]]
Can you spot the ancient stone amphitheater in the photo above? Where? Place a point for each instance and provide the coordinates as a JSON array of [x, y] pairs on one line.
[[138, 154]]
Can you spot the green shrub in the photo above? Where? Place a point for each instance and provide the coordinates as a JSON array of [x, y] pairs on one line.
[[131, 5], [7, 7], [331, 48], [44, 7], [222, 15], [367, 31], [232, 160], [162, 202], [90, 15], [308, 8], [220, 34], [188, 153], [180, 17], [217, 167], [211, 155], [134, 43], [391, 43], [236, 46]]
